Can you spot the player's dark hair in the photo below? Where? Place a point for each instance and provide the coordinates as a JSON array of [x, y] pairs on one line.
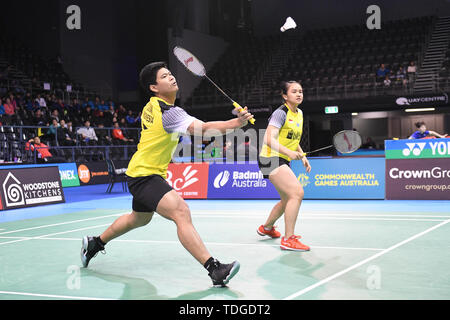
[[148, 74], [284, 87], [419, 124]]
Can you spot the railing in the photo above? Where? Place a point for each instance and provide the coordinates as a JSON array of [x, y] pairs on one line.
[[317, 91], [13, 145], [66, 96]]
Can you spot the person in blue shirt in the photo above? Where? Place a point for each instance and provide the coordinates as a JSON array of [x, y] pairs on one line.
[[423, 132], [382, 72], [2, 108]]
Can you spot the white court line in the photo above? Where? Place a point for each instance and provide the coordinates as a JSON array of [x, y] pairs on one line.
[[52, 295], [53, 234], [232, 214], [336, 275], [61, 223], [303, 213], [304, 217], [210, 243]]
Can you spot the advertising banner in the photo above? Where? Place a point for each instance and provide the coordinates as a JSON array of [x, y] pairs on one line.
[[418, 179], [97, 172], [69, 174], [239, 181], [348, 178], [92, 173], [422, 100], [190, 180], [30, 187], [417, 148], [67, 171]]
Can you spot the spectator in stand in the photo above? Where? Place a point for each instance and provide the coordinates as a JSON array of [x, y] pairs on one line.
[[118, 135], [122, 112], [108, 116], [2, 108], [131, 120], [43, 154], [58, 105], [9, 107], [87, 114], [382, 72], [52, 128], [87, 103], [411, 70], [387, 82], [400, 76], [76, 106], [64, 138], [87, 133], [369, 144], [13, 101], [70, 131], [41, 101], [28, 102], [103, 136], [96, 104], [55, 115], [103, 106], [39, 118]]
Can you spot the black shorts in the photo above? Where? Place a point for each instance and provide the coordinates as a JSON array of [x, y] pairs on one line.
[[147, 191], [268, 164]]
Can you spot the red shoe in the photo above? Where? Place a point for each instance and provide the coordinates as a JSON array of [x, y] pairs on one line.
[[293, 244], [271, 233]]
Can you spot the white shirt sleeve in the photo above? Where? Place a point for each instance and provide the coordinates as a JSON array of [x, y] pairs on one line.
[[176, 120], [277, 118]]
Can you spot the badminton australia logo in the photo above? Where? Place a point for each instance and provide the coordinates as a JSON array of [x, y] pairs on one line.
[[221, 179], [13, 191], [414, 148], [241, 179]]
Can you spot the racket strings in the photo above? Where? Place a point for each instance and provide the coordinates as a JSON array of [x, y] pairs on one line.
[[347, 141], [188, 60]]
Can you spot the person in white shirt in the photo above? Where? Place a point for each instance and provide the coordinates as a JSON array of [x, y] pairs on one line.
[[88, 133], [412, 67]]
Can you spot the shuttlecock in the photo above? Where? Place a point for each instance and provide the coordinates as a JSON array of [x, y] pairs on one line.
[[289, 24]]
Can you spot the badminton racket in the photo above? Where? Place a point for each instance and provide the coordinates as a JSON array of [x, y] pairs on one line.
[[194, 65], [346, 141]]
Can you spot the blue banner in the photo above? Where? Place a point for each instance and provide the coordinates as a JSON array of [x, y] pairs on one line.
[[239, 181], [348, 178]]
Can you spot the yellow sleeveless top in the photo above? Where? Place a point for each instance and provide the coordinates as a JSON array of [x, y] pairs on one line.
[[290, 134], [161, 124]]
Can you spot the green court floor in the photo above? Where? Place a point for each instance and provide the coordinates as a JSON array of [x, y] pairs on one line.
[[359, 250]]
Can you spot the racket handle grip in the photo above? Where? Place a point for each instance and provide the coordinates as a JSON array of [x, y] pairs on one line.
[[239, 108]]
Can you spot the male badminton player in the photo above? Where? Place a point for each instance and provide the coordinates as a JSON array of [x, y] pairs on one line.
[[281, 145], [162, 123]]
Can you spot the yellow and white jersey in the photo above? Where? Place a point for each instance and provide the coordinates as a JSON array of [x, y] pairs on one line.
[[290, 134], [162, 123]]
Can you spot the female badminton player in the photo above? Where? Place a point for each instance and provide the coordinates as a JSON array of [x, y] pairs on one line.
[[281, 145], [162, 123]]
